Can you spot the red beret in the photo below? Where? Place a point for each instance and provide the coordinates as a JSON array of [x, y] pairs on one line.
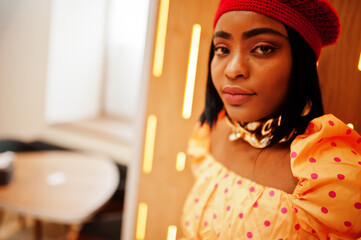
[[315, 20]]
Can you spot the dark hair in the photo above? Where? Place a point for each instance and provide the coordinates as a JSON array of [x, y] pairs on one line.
[[304, 87]]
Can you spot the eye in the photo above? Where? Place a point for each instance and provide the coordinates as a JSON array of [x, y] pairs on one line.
[[221, 51], [263, 49]]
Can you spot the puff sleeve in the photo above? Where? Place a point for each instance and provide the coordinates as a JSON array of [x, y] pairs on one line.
[[326, 159], [198, 148]]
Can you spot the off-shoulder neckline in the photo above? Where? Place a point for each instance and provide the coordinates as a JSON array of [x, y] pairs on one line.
[[235, 175]]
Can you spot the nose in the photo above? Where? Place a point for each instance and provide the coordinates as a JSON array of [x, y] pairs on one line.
[[237, 67]]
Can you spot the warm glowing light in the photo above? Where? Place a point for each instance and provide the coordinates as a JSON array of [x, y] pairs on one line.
[[149, 143], [350, 125], [317, 63], [141, 221], [160, 38], [181, 160], [191, 72], [359, 63], [172, 233]]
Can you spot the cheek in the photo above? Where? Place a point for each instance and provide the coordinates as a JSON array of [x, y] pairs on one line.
[[278, 86], [215, 73]]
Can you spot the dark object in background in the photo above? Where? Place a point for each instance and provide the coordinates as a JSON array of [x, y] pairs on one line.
[[19, 146], [6, 167]]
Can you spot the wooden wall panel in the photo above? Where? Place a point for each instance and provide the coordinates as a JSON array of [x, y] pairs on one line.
[[339, 76], [165, 189]]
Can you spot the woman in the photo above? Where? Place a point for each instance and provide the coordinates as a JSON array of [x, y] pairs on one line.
[[268, 163]]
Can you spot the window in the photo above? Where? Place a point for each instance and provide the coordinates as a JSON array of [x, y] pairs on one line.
[[96, 54]]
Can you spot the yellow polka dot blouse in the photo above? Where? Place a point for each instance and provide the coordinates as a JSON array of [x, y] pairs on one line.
[[326, 204]]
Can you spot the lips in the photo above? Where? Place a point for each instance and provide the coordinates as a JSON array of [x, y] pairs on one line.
[[236, 95]]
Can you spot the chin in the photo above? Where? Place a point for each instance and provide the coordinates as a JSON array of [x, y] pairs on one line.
[[241, 116], [244, 115]]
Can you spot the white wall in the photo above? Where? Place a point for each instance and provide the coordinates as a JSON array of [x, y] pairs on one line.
[[24, 33]]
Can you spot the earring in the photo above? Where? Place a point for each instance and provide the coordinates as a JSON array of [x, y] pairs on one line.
[[307, 108]]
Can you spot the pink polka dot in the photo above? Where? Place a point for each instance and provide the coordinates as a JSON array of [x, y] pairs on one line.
[[216, 185], [333, 144], [331, 123], [349, 131], [251, 189], [296, 210], [280, 239], [284, 210], [214, 216], [341, 176], [359, 163], [272, 193], [320, 140], [225, 190], [267, 223], [324, 210], [218, 234], [336, 159], [255, 204], [240, 215], [196, 200], [314, 176], [332, 194], [357, 205], [293, 154], [197, 217], [311, 125], [226, 176], [228, 208], [187, 223], [359, 140], [297, 227], [347, 224], [312, 160], [239, 182], [354, 152], [249, 235], [205, 223]]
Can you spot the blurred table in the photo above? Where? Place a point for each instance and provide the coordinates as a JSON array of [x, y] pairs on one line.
[[59, 186]]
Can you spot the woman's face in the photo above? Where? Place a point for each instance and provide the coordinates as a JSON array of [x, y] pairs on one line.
[[252, 64]]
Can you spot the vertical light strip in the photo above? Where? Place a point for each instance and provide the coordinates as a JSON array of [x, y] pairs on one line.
[[141, 221], [191, 72], [359, 63], [160, 38], [149, 143], [172, 233], [181, 160]]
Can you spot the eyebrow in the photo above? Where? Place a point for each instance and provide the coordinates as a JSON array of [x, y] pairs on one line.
[[258, 31], [222, 34], [249, 34]]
